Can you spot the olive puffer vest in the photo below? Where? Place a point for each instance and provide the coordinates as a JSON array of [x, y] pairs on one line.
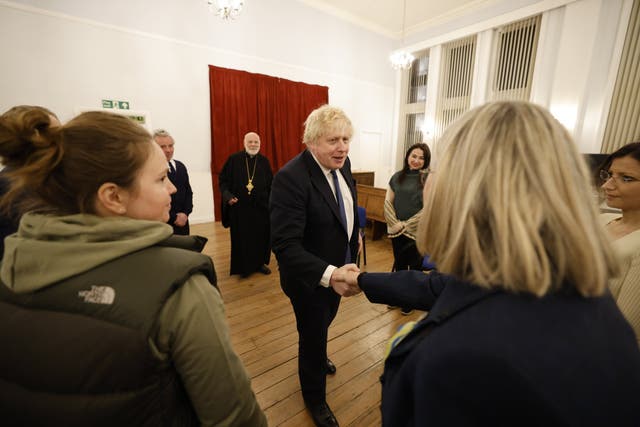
[[77, 353]]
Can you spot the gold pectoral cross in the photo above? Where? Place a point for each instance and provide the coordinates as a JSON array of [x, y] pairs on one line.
[[250, 177]]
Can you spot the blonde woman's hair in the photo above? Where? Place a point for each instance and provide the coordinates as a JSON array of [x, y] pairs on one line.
[[509, 205], [322, 120]]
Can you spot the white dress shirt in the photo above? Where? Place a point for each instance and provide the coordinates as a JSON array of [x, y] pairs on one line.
[[347, 199]]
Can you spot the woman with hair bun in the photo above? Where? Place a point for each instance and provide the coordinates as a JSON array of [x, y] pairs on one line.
[[105, 317], [9, 220], [521, 329]]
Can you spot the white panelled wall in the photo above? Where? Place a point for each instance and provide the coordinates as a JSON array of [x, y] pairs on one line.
[[577, 59]]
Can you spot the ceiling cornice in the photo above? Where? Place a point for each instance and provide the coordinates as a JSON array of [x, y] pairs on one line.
[[388, 31]]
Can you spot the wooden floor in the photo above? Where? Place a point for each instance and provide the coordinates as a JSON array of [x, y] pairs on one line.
[[264, 335]]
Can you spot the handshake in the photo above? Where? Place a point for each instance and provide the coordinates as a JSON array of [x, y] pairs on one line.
[[344, 280]]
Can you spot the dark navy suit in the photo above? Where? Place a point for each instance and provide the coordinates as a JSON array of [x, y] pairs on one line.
[[182, 199], [308, 235]]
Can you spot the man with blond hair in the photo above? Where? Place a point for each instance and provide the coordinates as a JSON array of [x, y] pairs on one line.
[[315, 239]]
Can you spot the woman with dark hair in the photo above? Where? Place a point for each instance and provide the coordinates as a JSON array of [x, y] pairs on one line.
[[105, 317], [403, 206], [620, 177]]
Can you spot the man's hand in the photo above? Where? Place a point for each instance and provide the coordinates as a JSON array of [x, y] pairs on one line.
[[351, 278], [181, 219], [232, 201], [338, 280]]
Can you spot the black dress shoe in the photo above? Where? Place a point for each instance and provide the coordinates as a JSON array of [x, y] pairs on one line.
[[331, 368], [264, 269], [322, 415]]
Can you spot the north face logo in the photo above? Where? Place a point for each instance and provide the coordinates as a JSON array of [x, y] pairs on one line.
[[98, 295]]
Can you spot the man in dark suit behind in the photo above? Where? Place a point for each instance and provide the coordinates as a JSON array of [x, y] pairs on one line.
[[314, 237], [182, 199]]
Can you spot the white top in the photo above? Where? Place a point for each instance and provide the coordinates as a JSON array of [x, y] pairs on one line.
[[626, 287]]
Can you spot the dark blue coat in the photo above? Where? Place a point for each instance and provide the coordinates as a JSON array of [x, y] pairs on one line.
[[492, 358], [307, 235], [306, 232], [182, 199]]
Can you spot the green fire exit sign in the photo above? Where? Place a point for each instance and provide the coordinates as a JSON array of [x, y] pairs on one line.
[[113, 103]]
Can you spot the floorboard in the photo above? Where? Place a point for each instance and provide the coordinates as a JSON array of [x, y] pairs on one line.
[[263, 333]]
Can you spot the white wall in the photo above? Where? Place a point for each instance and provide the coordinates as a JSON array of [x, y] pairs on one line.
[[586, 46], [71, 54]]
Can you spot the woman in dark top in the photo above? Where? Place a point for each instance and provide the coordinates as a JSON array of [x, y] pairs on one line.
[[403, 206], [521, 329]]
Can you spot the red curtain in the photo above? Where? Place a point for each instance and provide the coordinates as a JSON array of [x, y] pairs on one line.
[[274, 108]]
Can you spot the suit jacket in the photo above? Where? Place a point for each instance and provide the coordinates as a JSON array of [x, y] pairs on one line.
[[493, 358], [306, 232], [182, 199]]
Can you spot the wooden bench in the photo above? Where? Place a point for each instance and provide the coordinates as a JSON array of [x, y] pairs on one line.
[[364, 177], [372, 199]]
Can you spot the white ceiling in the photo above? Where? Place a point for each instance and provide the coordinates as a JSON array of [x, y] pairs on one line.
[[385, 16]]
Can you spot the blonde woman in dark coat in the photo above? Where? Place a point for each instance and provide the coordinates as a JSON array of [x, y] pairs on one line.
[[521, 328]]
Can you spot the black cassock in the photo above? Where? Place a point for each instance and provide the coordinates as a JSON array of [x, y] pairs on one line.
[[249, 217]]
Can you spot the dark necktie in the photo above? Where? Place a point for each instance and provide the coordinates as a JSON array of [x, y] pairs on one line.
[[343, 215], [172, 170]]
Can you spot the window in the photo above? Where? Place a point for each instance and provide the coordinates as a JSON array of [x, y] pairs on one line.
[[455, 85], [514, 53], [412, 111], [459, 61], [413, 130], [418, 80], [623, 125]]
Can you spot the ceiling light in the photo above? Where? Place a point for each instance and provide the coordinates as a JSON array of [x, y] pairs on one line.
[[226, 9], [401, 59]]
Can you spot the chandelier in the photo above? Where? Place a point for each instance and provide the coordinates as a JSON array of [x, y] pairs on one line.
[[401, 59], [226, 9]]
